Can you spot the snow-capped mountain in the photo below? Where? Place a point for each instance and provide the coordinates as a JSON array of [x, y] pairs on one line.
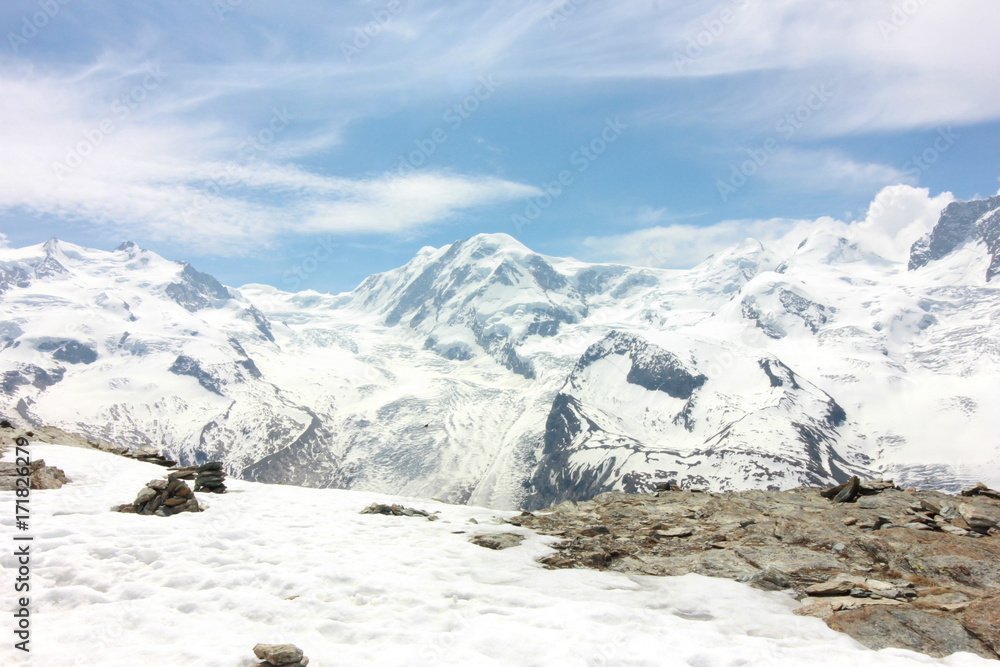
[[483, 372]]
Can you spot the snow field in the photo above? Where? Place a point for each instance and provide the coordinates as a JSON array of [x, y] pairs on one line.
[[275, 564]]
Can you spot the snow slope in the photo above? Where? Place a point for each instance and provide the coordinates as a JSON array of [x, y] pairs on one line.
[[275, 564], [485, 373]]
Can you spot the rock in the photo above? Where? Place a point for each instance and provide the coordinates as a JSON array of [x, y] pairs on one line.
[[879, 627], [881, 522], [145, 495], [845, 492], [872, 486], [214, 465], [876, 585], [6, 424], [497, 540], [832, 587], [978, 519], [278, 654], [394, 510], [928, 506], [205, 479], [174, 502], [982, 619], [158, 484], [666, 486], [850, 521], [683, 531], [981, 489], [48, 478]]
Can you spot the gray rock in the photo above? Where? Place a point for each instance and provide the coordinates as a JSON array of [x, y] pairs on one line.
[[978, 519], [145, 495], [832, 587], [497, 540], [278, 654]]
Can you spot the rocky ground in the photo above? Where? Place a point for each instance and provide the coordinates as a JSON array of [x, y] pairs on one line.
[[890, 567]]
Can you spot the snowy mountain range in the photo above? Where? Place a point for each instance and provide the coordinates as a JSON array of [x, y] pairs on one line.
[[485, 373]]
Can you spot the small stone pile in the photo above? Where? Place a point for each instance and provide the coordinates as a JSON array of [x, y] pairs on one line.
[[397, 510], [163, 497], [150, 454], [279, 655], [210, 478]]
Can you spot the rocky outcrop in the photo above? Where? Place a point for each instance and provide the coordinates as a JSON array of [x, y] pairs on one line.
[[960, 223], [41, 475], [891, 567]]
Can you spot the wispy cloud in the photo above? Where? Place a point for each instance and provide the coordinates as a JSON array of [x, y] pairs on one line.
[[681, 246], [110, 146]]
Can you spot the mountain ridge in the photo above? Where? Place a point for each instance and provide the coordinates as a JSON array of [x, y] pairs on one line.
[[482, 372]]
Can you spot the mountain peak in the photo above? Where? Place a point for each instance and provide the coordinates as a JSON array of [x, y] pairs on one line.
[[960, 222]]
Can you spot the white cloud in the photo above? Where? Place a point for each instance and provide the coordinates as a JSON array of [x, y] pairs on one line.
[[898, 216], [682, 246]]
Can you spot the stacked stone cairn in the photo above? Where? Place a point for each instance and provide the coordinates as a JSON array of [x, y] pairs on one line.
[[279, 655], [210, 478], [163, 497]]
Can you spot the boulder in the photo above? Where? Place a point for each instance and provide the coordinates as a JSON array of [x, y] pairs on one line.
[[279, 655], [978, 519]]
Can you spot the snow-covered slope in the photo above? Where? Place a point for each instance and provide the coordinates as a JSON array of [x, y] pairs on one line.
[[277, 564], [485, 373]]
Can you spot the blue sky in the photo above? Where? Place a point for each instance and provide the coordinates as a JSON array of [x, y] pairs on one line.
[[309, 146]]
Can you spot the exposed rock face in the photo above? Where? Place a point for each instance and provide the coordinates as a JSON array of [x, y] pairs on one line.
[[961, 222], [889, 567], [628, 413]]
